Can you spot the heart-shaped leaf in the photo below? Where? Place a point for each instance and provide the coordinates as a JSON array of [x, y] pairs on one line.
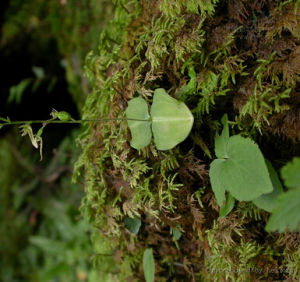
[[172, 120], [243, 173], [137, 118]]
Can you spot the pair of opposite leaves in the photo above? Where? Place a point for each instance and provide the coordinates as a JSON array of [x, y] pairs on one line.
[[170, 120]]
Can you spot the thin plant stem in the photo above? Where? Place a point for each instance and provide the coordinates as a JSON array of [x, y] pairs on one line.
[[20, 122]]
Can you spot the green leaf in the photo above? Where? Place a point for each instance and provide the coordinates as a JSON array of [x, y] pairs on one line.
[[133, 224], [62, 115], [227, 208], [148, 265], [221, 141], [140, 130], [244, 173], [16, 92], [291, 173], [172, 121], [216, 182], [286, 215], [176, 232], [40, 131], [268, 201]]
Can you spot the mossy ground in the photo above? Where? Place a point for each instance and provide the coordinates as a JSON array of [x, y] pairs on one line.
[[245, 58]]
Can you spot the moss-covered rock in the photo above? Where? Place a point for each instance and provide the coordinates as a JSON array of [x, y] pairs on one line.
[[237, 57]]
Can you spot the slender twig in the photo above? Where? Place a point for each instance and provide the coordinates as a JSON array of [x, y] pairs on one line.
[[19, 122]]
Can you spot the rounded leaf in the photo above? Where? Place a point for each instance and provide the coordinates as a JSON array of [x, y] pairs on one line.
[[137, 118], [172, 120]]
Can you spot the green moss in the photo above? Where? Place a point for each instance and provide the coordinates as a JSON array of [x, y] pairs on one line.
[[219, 57]]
